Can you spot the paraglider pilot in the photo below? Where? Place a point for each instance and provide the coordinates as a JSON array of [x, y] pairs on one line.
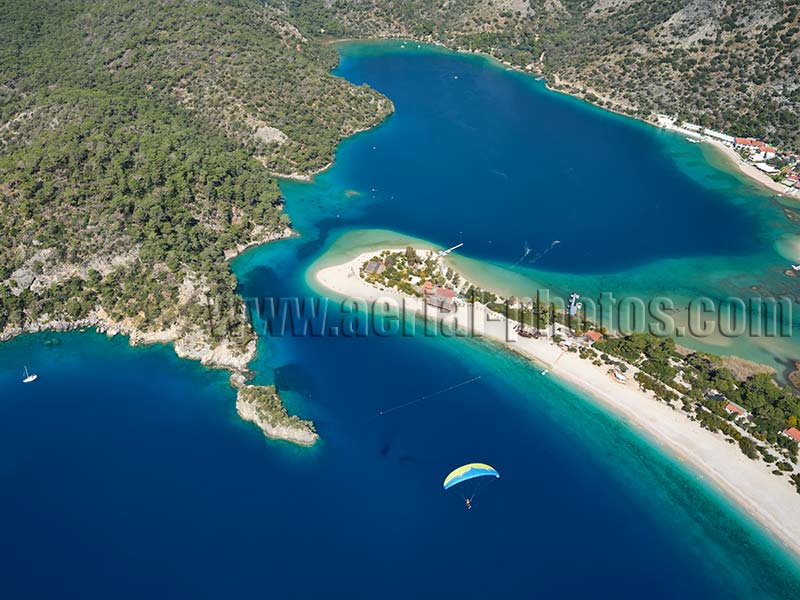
[[469, 472]]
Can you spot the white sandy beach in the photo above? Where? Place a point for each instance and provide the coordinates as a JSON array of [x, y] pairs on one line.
[[745, 167], [749, 170], [771, 500]]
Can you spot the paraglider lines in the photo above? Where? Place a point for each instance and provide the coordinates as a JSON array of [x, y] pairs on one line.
[[426, 397]]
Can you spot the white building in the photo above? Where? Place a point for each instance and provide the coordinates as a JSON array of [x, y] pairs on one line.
[[765, 167], [720, 136], [762, 155]]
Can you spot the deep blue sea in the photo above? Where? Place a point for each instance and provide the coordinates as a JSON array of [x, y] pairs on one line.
[[126, 473], [490, 159]]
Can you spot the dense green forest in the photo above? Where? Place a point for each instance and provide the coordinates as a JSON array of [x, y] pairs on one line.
[[139, 140], [137, 145]]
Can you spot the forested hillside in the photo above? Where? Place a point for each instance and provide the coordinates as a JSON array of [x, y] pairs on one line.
[[137, 142], [728, 64], [138, 139], [731, 65]]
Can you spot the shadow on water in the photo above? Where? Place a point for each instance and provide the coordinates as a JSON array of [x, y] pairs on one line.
[[294, 377]]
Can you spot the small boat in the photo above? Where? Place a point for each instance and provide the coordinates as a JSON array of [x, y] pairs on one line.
[[29, 377], [796, 267], [545, 371], [692, 140]]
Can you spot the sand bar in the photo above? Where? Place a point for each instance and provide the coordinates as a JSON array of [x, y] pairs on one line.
[[769, 499]]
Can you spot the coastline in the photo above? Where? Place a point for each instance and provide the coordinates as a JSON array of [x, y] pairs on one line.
[[262, 405], [309, 176], [737, 165], [190, 343], [749, 483], [186, 342], [733, 159], [750, 171]]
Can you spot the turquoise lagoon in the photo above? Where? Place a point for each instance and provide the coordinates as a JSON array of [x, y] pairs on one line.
[[125, 472], [488, 157]]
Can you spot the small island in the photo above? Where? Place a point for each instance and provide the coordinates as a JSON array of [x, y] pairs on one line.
[[262, 405]]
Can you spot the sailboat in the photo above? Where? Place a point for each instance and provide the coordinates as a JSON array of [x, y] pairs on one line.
[[29, 377]]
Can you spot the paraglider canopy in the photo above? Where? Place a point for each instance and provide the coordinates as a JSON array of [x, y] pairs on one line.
[[467, 472]]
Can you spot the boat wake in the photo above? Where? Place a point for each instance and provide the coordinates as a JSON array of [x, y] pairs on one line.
[[538, 256]]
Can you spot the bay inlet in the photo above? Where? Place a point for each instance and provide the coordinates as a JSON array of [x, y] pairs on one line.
[[127, 469]]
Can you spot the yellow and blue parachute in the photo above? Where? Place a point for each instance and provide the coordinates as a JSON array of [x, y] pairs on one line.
[[467, 472]]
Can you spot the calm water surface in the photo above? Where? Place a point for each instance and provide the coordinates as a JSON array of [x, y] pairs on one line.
[[126, 472]]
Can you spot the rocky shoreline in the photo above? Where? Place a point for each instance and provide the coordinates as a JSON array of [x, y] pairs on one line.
[[262, 405], [190, 343]]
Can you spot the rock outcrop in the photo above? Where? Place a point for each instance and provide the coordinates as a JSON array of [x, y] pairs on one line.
[[262, 405]]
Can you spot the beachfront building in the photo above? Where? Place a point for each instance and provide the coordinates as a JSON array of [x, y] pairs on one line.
[[759, 151], [734, 409], [444, 292], [769, 169], [764, 153], [723, 137], [593, 336], [749, 144], [373, 267], [442, 298], [715, 395], [792, 433], [692, 127]]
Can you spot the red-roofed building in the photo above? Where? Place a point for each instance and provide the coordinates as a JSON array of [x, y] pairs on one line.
[[446, 293], [793, 433], [734, 409], [748, 143], [594, 336], [427, 287]]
